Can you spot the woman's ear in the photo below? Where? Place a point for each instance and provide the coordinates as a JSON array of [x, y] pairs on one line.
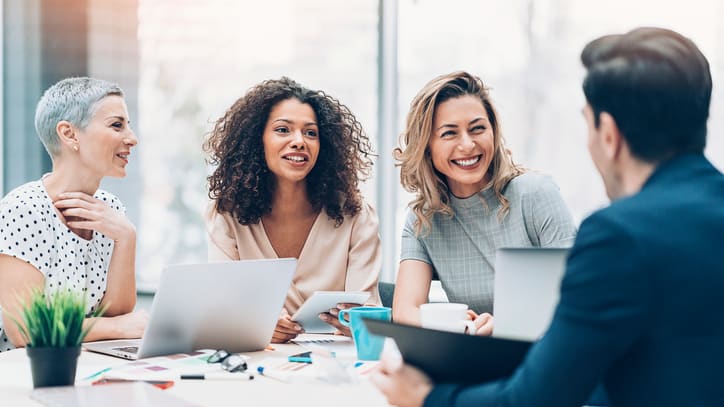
[[611, 136], [67, 134]]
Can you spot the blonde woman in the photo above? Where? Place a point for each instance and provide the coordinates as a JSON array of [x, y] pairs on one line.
[[471, 199]]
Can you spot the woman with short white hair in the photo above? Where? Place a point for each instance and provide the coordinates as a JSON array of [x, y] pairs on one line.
[[64, 233]]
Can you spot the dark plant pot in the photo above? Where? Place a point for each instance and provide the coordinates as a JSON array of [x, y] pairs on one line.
[[53, 366]]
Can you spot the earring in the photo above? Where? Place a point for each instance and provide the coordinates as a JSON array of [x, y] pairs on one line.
[[75, 147]]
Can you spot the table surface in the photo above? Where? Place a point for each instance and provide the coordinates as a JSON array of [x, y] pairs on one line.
[[16, 383]]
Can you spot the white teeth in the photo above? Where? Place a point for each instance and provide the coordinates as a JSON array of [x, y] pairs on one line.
[[295, 158], [468, 162]]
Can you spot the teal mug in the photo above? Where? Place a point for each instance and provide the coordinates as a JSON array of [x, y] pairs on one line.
[[368, 346]]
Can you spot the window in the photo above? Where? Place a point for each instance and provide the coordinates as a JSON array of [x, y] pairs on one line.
[[183, 62], [195, 61]]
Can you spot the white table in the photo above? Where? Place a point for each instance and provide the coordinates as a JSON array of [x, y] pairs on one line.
[[16, 384]]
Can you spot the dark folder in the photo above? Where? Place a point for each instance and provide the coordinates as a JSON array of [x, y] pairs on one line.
[[449, 357]]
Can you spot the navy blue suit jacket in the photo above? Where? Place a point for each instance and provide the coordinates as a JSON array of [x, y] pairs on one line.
[[641, 306]]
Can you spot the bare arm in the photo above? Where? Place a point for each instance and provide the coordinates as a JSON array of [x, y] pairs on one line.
[[121, 281], [82, 211], [18, 278], [411, 291]]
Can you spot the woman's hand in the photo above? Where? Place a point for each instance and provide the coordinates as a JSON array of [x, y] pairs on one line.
[[483, 323], [84, 212], [131, 325], [124, 326], [332, 318], [286, 329]]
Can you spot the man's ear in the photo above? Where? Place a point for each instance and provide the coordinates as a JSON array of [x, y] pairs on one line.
[[611, 136], [66, 133]]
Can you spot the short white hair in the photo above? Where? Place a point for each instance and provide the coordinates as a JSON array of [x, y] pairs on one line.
[[73, 100]]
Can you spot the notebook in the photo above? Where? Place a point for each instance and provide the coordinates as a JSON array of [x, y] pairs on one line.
[[227, 305]]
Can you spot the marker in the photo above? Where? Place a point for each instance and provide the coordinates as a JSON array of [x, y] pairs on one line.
[[218, 376]]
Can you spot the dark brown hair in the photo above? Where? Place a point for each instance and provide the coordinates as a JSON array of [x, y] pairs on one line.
[[242, 184]]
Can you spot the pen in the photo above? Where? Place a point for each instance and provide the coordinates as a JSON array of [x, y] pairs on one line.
[[218, 376], [281, 376], [96, 374]]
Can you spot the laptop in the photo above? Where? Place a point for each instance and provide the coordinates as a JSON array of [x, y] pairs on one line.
[[527, 285], [449, 357], [228, 305]]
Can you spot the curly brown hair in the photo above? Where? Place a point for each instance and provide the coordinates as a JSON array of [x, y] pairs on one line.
[[242, 184]]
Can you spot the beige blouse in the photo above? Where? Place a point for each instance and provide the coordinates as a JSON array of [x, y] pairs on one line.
[[346, 258]]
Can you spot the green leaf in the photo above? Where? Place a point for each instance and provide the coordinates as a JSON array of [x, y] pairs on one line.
[[54, 319]]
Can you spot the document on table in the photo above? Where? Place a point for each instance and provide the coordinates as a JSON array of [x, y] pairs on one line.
[[341, 346]]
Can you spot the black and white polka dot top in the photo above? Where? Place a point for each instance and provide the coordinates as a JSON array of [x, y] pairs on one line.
[[31, 230]]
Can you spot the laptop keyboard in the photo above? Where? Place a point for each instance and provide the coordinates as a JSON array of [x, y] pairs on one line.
[[128, 349]]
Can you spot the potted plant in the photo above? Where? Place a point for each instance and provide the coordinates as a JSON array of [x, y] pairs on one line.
[[53, 332]]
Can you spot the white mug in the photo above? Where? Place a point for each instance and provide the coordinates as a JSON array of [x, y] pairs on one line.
[[447, 316]]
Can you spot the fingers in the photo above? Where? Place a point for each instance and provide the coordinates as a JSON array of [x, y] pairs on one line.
[[485, 323], [77, 195], [334, 321], [472, 315], [287, 326], [279, 337], [347, 305], [73, 203], [286, 329], [79, 213]]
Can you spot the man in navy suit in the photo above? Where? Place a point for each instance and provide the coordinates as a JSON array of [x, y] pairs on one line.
[[641, 301]]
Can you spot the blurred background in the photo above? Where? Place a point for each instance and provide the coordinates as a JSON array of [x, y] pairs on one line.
[[183, 62]]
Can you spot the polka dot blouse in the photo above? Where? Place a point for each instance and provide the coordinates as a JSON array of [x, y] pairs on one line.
[[31, 230]]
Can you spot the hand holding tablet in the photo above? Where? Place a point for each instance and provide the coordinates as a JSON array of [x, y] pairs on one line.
[[322, 301]]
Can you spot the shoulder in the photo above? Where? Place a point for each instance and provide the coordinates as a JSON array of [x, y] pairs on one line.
[[530, 183], [366, 216], [218, 221], [110, 199], [30, 198]]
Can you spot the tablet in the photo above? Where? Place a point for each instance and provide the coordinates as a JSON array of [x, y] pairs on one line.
[[321, 301]]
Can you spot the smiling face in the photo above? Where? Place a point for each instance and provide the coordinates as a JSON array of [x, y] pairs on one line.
[[291, 140], [462, 144], [104, 145]]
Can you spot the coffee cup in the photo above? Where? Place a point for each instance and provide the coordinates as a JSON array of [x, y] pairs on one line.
[[446, 316], [368, 346]]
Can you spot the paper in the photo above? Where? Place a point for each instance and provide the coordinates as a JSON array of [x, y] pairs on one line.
[[169, 367]]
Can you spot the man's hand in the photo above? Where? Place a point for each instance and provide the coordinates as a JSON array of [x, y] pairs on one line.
[[403, 385]]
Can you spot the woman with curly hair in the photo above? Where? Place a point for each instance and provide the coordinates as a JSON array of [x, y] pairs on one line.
[[471, 199], [289, 163]]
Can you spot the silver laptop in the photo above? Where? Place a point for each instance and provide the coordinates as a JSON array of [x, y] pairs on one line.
[[228, 305], [527, 286]]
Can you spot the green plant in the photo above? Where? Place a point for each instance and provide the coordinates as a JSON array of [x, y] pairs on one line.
[[55, 319]]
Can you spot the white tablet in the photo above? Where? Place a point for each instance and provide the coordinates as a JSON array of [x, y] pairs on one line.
[[322, 301]]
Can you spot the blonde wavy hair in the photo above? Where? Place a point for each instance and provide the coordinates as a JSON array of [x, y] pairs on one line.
[[417, 173]]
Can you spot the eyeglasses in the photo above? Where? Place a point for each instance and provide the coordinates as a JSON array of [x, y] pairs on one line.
[[229, 362]]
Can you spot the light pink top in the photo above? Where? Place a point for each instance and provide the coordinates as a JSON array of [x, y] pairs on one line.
[[345, 258]]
